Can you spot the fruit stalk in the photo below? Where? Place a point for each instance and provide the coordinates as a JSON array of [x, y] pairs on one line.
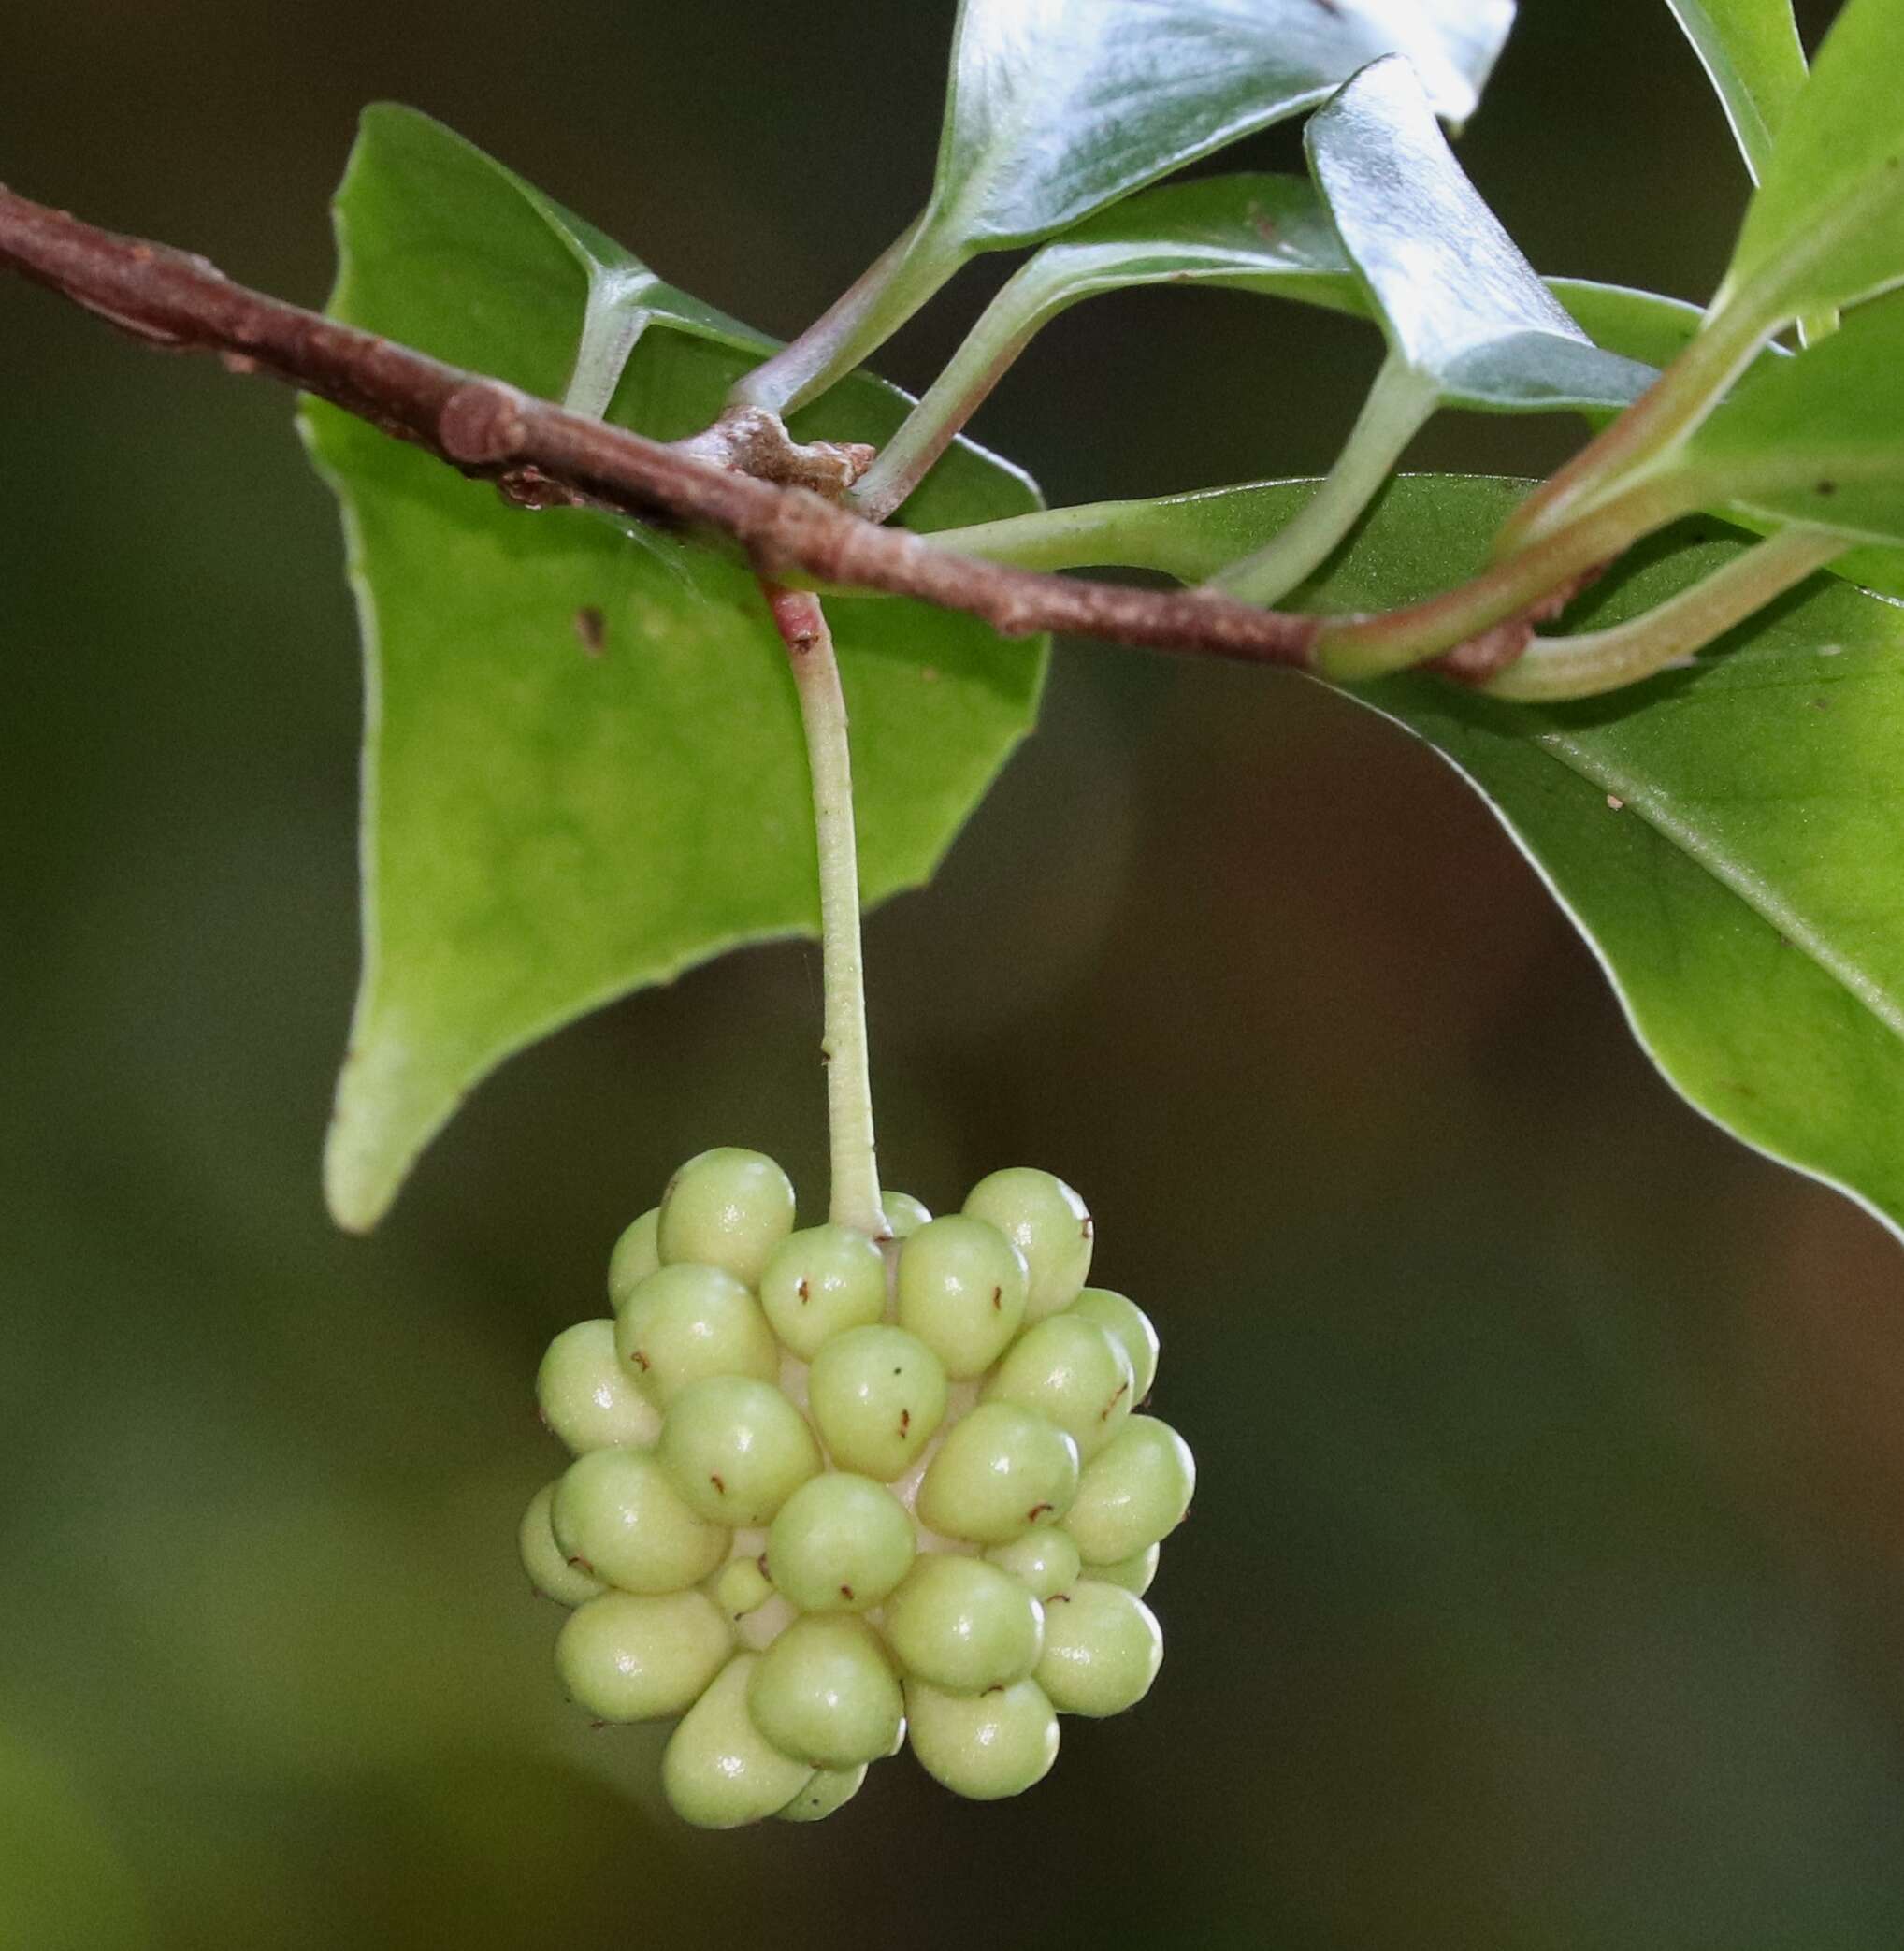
[[802, 626]]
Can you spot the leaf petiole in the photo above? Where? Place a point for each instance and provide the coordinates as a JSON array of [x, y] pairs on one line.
[[1554, 669], [1400, 402], [1352, 649]]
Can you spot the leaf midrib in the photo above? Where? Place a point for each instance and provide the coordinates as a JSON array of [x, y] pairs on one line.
[[1638, 796]]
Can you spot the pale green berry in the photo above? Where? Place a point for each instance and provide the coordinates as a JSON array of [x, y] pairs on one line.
[[726, 1207], [984, 1746], [820, 1283], [904, 1215], [1000, 1471], [628, 1658], [1131, 1327], [878, 1395], [1134, 1573], [719, 1771], [547, 1565], [741, 1587], [840, 1544], [636, 1254], [1073, 1373], [616, 1511], [1047, 1222], [1132, 1493], [586, 1397], [1043, 1561], [825, 1692], [736, 1449], [1103, 1647], [963, 1624], [830, 1788], [961, 1290], [684, 1323]]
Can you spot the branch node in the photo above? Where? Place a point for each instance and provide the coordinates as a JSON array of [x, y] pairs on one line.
[[483, 424]]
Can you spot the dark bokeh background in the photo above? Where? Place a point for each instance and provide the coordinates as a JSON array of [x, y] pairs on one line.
[[1546, 1583]]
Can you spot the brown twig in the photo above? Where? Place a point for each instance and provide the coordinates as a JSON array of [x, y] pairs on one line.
[[538, 452]]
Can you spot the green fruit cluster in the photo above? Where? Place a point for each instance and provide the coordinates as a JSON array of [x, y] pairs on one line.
[[832, 1494]]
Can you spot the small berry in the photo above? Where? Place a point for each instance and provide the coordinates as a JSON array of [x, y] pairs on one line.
[[727, 1208], [830, 1788], [629, 1658], [1049, 1225], [586, 1397], [1131, 1327], [963, 1624], [684, 1323], [1072, 1372], [548, 1566], [740, 1587], [904, 1215], [878, 1395], [1134, 1573], [840, 1544], [984, 1746], [736, 1449], [616, 1511], [961, 1290], [825, 1693], [1001, 1471], [719, 1770], [636, 1254], [819, 1283], [1134, 1492], [1044, 1561], [1103, 1647]]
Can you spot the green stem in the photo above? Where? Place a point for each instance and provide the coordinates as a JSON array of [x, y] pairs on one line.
[[1359, 647], [1004, 328], [1670, 408], [1584, 666], [803, 627], [1399, 402], [871, 310], [1552, 669]]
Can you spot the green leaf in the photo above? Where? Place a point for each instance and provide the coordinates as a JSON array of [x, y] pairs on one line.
[[1057, 107], [1818, 438], [1459, 304], [1255, 232], [546, 824], [1642, 325], [1745, 894], [1826, 228], [1755, 62], [1468, 320]]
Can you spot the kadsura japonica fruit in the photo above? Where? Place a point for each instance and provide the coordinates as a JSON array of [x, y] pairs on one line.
[[834, 1494]]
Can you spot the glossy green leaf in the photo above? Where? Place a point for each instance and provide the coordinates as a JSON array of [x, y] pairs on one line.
[[1253, 232], [582, 765], [1468, 320], [1458, 302], [1057, 107], [1826, 228], [1818, 438], [1729, 839], [1752, 55]]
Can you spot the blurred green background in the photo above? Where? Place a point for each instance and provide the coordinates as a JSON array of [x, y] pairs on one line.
[[1546, 1586]]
